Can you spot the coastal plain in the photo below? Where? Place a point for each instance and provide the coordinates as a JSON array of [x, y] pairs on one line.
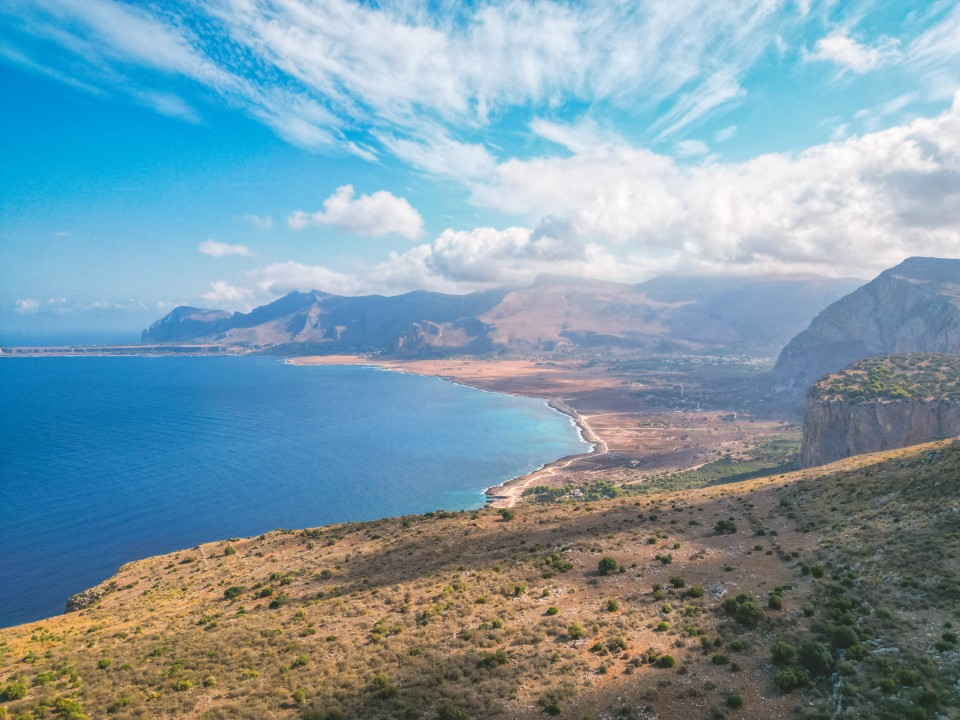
[[647, 421]]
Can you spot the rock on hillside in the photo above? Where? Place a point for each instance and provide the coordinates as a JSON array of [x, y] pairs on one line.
[[881, 403], [913, 307]]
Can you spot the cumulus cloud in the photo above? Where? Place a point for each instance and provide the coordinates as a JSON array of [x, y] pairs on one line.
[[222, 292], [844, 207], [482, 258], [26, 306], [220, 249], [376, 215], [840, 48], [281, 278]]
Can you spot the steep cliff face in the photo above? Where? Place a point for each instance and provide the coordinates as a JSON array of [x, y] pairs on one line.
[[881, 403], [913, 307], [836, 429]]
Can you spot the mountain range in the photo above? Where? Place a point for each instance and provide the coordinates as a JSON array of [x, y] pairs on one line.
[[560, 315]]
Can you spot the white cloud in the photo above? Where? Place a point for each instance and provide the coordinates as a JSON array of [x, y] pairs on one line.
[[376, 215], [725, 134], [261, 223], [842, 208], [460, 261], [27, 306], [315, 72], [691, 148], [281, 278], [840, 48], [222, 292], [220, 249]]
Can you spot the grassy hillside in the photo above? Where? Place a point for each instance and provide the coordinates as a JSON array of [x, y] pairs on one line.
[[785, 597]]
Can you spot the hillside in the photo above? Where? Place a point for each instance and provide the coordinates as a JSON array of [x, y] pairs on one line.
[[553, 315], [911, 308], [795, 596], [881, 403]]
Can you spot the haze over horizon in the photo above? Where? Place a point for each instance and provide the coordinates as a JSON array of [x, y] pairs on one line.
[[225, 152]]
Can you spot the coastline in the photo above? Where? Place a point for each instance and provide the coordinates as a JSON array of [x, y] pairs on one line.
[[507, 494]]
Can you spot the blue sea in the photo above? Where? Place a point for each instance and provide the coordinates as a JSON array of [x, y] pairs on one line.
[[104, 460]]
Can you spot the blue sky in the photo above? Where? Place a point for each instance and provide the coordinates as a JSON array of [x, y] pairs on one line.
[[223, 152]]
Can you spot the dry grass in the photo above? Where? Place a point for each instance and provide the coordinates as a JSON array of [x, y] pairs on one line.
[[425, 616]]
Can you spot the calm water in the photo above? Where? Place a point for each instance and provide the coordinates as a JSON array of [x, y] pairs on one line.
[[106, 460]]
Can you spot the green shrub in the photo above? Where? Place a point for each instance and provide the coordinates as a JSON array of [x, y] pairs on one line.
[[552, 610], [507, 514], [745, 610], [696, 591], [449, 711], [608, 566], [182, 685], [576, 631], [677, 581], [775, 602], [725, 527], [783, 654], [720, 659], [14, 691], [70, 709], [613, 605], [103, 663], [788, 679], [734, 701], [234, 591], [665, 661], [815, 658]]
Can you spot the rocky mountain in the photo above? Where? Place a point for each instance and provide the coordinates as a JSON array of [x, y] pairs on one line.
[[913, 307], [410, 324], [554, 315], [881, 403]]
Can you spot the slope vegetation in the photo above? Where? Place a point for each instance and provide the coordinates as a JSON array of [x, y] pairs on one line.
[[799, 595]]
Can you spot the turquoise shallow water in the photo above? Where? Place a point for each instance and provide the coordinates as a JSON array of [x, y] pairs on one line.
[[106, 460]]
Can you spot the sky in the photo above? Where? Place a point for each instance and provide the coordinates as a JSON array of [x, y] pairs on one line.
[[221, 153]]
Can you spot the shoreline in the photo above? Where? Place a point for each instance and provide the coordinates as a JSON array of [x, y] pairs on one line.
[[508, 493]]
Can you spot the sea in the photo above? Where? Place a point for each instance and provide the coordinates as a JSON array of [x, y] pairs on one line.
[[104, 460]]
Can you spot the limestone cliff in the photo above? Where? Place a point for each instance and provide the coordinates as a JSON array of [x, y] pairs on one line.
[[913, 307], [881, 403]]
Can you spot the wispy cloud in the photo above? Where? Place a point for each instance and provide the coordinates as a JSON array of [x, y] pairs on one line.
[[375, 215], [26, 306], [261, 223], [313, 71], [838, 47], [221, 249]]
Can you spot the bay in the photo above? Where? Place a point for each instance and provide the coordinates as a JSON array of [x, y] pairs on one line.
[[104, 460]]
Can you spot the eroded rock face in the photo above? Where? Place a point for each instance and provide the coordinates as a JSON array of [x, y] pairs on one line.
[[835, 429]]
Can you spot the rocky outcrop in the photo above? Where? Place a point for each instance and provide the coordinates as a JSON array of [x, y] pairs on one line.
[[913, 307], [836, 429], [88, 598], [881, 403]]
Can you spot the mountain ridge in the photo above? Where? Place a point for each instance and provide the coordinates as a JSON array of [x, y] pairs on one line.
[[912, 307], [555, 314]]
